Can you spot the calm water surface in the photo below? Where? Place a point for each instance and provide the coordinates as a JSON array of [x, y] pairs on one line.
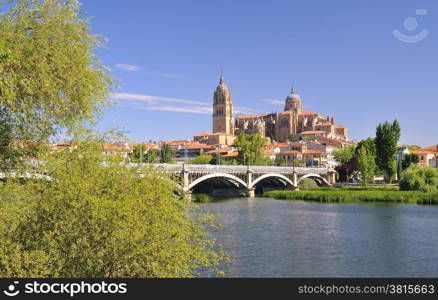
[[276, 238]]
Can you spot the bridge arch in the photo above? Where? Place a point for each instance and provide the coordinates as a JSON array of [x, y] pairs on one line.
[[271, 175], [318, 178], [217, 175]]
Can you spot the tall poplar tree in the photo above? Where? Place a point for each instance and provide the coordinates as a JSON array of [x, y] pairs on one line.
[[387, 137]]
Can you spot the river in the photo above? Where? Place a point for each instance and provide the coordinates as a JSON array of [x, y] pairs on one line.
[[278, 238]]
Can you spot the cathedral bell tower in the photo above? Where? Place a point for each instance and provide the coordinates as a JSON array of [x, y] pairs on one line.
[[294, 107], [223, 120], [293, 102]]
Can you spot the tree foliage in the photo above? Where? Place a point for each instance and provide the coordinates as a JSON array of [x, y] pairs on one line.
[[166, 154], [370, 145], [366, 165], [281, 162], [96, 217], [203, 159], [387, 136], [347, 162], [141, 155], [250, 148], [409, 159], [419, 178], [307, 184], [49, 77]]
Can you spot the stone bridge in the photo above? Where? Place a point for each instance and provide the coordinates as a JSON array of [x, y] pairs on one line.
[[247, 177]]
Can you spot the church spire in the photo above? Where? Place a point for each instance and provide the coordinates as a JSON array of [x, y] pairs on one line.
[[221, 81], [293, 90]]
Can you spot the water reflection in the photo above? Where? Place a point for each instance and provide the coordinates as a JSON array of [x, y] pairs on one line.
[[272, 238]]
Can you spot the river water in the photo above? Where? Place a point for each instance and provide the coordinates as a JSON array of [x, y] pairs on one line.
[[278, 238]]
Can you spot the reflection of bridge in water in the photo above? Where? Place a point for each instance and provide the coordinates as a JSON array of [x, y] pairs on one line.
[[248, 178]]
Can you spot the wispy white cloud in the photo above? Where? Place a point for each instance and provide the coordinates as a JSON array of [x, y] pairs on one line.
[[273, 101], [128, 68], [147, 102], [173, 108], [152, 99], [135, 68]]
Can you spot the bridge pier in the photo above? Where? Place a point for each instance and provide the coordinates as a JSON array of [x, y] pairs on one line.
[[185, 173], [295, 180], [331, 177], [250, 190]]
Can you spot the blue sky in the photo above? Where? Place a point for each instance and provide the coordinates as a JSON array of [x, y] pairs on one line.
[[342, 56]]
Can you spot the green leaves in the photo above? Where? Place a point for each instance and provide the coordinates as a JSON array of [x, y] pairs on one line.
[[419, 178], [99, 218], [49, 77], [250, 149], [166, 154], [387, 137], [366, 162]]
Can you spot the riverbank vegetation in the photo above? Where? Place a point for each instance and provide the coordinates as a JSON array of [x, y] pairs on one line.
[[419, 178], [352, 194], [95, 217], [202, 198], [79, 213]]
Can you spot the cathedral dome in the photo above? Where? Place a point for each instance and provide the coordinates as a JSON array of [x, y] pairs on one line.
[[293, 95], [293, 102]]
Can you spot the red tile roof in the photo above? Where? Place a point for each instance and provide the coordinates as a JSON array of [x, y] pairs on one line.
[[431, 148], [204, 134], [251, 116], [232, 154], [421, 152], [314, 152], [289, 152], [312, 132]]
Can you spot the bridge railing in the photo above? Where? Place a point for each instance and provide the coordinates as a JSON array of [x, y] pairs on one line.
[[239, 169]]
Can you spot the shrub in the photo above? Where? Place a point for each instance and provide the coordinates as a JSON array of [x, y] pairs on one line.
[[99, 218], [202, 159], [307, 184], [419, 178], [201, 198]]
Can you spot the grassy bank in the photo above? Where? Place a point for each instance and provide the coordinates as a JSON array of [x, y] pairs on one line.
[[201, 198], [348, 195]]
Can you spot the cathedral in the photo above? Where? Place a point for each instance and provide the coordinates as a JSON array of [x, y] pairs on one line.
[[292, 123]]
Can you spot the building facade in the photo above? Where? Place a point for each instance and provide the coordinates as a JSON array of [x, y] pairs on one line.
[[293, 122], [223, 120]]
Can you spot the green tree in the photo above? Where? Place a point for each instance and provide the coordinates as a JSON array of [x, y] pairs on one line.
[[296, 163], [307, 184], [399, 169], [50, 79], [101, 220], [151, 156], [370, 145], [366, 165], [419, 178], [166, 154], [409, 159], [138, 154], [203, 159], [387, 136], [281, 162], [347, 162], [250, 148]]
